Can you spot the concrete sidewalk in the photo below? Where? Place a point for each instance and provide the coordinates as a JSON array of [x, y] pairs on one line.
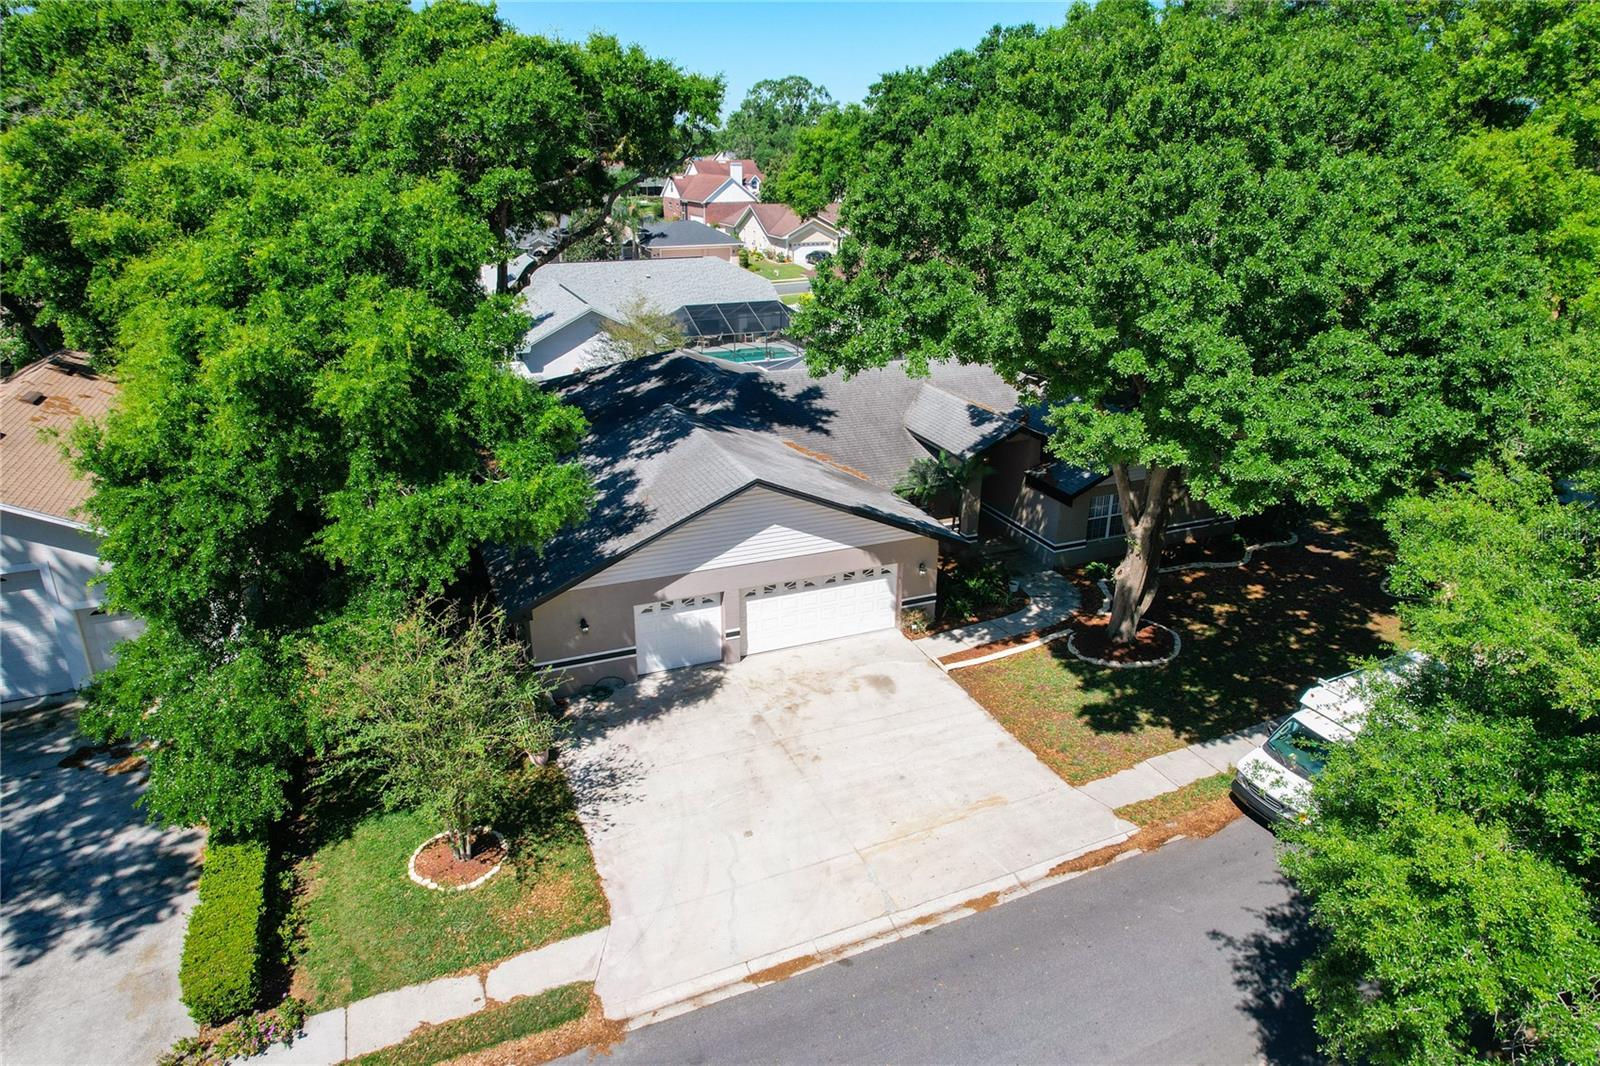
[[1052, 598], [389, 1017], [1174, 769]]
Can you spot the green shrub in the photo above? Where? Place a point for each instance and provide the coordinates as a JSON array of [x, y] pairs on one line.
[[220, 976], [1097, 570], [974, 587]]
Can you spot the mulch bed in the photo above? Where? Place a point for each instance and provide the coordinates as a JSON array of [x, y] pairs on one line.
[[439, 864], [1217, 549], [1093, 639]]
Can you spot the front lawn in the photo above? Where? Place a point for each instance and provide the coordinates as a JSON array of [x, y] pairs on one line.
[[1254, 638], [775, 271], [367, 928]]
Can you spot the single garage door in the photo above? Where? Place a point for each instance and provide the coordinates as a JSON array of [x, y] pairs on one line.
[[819, 608], [674, 633], [102, 632], [32, 662]]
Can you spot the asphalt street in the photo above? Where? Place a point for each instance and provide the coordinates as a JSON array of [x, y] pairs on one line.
[[1183, 955]]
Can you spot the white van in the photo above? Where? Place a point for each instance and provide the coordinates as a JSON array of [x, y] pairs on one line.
[[1274, 780]]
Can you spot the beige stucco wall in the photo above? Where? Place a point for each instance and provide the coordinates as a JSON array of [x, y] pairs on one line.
[[694, 251], [552, 629]]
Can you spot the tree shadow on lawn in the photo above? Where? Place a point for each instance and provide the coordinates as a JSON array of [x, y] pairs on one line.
[[1254, 638]]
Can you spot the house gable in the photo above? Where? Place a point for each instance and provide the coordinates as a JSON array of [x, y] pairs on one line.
[[758, 524]]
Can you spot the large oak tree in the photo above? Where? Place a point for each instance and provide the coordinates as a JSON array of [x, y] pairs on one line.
[[1224, 243], [267, 220]]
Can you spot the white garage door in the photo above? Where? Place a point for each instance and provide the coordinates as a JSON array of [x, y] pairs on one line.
[[819, 608], [674, 633], [31, 660], [102, 632]]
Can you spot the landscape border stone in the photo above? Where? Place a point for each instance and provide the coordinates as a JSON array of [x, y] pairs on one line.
[[411, 867]]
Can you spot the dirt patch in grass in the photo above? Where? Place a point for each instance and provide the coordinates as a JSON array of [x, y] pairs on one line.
[[1178, 803], [594, 1031], [1254, 638], [524, 1018], [1092, 639]]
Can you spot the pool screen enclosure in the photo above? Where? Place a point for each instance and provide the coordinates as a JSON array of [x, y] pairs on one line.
[[721, 323]]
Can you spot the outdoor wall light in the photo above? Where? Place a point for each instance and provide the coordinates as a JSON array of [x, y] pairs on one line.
[[583, 625], [922, 568]]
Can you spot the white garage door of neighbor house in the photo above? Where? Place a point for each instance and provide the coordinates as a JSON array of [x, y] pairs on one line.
[[674, 633], [32, 662], [102, 632], [819, 608]]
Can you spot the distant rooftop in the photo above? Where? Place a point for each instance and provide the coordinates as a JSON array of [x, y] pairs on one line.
[[39, 405], [683, 233], [560, 293]]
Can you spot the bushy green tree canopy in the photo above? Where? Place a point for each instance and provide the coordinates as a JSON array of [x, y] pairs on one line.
[[1453, 857], [268, 220], [1225, 243], [764, 126]]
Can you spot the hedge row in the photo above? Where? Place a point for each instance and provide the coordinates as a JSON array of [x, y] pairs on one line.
[[220, 975]]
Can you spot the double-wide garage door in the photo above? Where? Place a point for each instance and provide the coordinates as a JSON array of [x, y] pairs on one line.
[[685, 632], [819, 608]]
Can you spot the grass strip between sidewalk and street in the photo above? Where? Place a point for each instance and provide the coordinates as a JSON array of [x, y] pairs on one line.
[[521, 1017], [1178, 803]]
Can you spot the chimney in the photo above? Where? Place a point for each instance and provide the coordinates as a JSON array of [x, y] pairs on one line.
[[736, 171]]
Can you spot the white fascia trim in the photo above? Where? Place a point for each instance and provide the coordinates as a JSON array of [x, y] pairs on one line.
[[53, 519]]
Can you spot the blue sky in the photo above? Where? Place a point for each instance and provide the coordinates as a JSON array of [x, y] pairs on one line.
[[843, 46]]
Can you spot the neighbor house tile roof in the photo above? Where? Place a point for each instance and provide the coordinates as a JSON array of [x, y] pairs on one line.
[[697, 188], [39, 405], [779, 220], [674, 434], [560, 293], [683, 233], [724, 214], [712, 165]]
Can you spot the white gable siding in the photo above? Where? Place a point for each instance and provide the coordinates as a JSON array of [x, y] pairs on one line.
[[753, 236], [756, 526], [572, 347], [731, 192]]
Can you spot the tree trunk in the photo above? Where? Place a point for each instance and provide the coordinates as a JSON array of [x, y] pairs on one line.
[[461, 833], [1146, 509], [500, 223]]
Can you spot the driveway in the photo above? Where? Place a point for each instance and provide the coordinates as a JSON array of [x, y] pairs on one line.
[[92, 904], [798, 800]]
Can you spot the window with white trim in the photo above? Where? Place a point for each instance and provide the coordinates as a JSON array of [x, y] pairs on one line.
[[1105, 517]]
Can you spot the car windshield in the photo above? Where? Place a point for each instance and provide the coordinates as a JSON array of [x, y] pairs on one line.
[[1298, 748]]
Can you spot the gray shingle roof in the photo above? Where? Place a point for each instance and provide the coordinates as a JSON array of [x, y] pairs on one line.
[[1066, 481], [682, 233], [674, 434], [956, 425], [562, 292]]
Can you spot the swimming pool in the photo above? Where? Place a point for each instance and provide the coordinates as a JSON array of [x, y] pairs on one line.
[[752, 355]]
